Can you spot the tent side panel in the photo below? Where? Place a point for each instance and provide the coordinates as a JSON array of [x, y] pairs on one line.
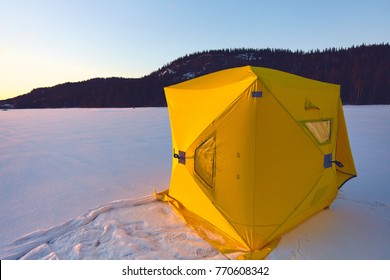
[[184, 189], [192, 111]]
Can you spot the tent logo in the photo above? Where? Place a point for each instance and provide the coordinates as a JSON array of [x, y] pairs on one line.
[[310, 105]]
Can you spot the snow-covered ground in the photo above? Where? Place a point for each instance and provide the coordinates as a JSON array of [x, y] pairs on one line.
[[79, 183]]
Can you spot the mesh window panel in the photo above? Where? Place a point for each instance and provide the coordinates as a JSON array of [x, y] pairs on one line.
[[205, 162], [320, 130]]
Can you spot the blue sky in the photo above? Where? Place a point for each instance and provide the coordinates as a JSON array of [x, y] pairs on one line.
[[44, 43]]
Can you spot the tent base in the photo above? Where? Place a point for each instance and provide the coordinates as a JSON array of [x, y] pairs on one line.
[[218, 239]]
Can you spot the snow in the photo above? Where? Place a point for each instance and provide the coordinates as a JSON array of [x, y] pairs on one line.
[[167, 71], [79, 183], [189, 75], [247, 56]]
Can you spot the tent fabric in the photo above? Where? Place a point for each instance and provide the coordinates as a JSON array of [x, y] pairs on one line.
[[256, 151]]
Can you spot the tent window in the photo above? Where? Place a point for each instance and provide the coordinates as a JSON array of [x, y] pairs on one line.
[[204, 162], [320, 129]]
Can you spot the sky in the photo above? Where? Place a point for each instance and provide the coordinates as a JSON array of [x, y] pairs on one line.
[[44, 43]]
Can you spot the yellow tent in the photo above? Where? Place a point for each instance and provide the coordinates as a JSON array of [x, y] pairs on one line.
[[255, 152]]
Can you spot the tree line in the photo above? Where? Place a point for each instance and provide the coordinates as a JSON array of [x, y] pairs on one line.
[[362, 71]]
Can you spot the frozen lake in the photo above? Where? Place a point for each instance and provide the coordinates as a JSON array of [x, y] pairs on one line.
[[59, 167]]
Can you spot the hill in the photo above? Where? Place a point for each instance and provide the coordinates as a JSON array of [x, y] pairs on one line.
[[362, 72]]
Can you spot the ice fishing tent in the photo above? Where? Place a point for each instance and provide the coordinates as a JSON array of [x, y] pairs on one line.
[[255, 152]]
